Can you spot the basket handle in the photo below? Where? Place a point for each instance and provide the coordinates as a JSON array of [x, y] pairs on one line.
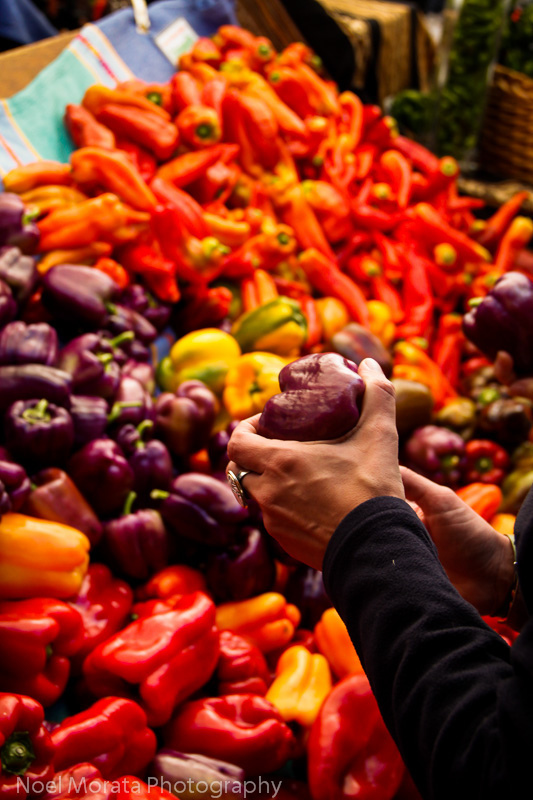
[[141, 16]]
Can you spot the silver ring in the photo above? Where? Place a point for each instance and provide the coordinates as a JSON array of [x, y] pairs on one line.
[[235, 482]]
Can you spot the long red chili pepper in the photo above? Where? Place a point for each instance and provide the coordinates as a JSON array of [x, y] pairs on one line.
[[327, 278]]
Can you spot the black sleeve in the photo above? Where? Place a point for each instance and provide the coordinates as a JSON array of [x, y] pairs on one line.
[[456, 698]]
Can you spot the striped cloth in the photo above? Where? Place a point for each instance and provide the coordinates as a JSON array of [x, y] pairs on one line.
[[31, 122]]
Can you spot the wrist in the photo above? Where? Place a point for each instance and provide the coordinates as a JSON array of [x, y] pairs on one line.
[[507, 580]]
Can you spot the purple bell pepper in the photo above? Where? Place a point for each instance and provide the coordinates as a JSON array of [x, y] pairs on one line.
[[320, 398], [19, 272], [89, 417], [122, 319], [356, 342], [244, 569], [217, 448], [503, 320], [17, 228], [200, 508], [149, 458], [8, 307], [102, 474], [15, 481], [142, 371], [92, 360], [182, 770], [139, 299], [28, 344], [305, 588], [137, 542], [79, 295], [38, 433], [437, 453], [132, 404], [184, 418], [28, 381]]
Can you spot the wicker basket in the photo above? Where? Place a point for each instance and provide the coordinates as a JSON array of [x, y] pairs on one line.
[[506, 142]]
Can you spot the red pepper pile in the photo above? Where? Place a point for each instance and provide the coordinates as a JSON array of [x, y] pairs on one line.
[[247, 177]]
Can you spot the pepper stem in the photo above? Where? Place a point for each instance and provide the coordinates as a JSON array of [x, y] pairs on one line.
[[128, 505], [114, 414], [159, 494], [125, 336], [37, 413], [17, 754], [142, 427]]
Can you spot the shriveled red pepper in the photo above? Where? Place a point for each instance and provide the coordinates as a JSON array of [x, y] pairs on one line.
[[85, 130], [190, 211], [199, 126], [399, 172], [495, 227], [326, 277], [243, 729], [167, 656], [115, 172], [343, 755], [420, 157], [146, 128], [37, 637], [484, 498], [26, 749], [242, 667], [487, 461], [158, 272], [112, 734], [295, 211], [104, 603], [190, 166], [433, 229]]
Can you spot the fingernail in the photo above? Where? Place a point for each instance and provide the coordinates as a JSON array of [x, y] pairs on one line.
[[370, 363]]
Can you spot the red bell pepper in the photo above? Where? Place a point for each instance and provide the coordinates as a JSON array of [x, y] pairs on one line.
[[112, 734], [173, 580], [350, 749], [83, 782], [37, 638], [167, 656], [26, 749], [104, 603], [244, 729], [242, 667], [486, 461]]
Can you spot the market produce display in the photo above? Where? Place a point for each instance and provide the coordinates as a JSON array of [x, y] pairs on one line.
[[231, 243]]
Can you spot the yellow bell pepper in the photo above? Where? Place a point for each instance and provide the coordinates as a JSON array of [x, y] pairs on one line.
[[333, 315], [277, 327], [39, 558], [381, 322], [302, 682], [333, 641], [267, 620], [204, 355], [250, 382]]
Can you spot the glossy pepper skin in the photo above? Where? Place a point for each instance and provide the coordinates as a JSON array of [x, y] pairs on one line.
[[267, 620], [26, 749], [244, 569], [16, 226], [111, 734], [15, 482], [320, 399], [103, 602], [39, 635], [242, 667], [184, 418], [414, 405], [8, 306], [71, 291], [30, 381], [333, 641], [149, 458], [137, 541], [202, 509], [276, 327], [132, 403], [302, 682], [28, 344], [355, 343], [438, 453], [203, 355], [38, 433], [503, 320], [243, 729], [487, 462], [55, 566], [220, 777], [89, 417], [93, 361], [305, 589], [251, 382], [19, 272], [101, 472], [55, 497], [341, 755], [167, 656]]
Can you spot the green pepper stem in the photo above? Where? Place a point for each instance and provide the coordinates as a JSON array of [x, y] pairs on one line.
[[105, 358], [128, 505], [474, 302], [38, 413], [159, 494], [142, 427], [125, 336], [117, 408], [17, 754]]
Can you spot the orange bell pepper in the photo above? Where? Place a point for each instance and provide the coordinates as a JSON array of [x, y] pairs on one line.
[[484, 498], [333, 641], [302, 682], [115, 172], [267, 620], [39, 558]]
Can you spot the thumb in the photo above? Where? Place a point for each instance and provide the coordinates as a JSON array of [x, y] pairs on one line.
[[379, 402], [422, 491]]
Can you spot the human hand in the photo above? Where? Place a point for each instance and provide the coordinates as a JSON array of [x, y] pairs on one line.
[[477, 559], [504, 372], [305, 489]]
